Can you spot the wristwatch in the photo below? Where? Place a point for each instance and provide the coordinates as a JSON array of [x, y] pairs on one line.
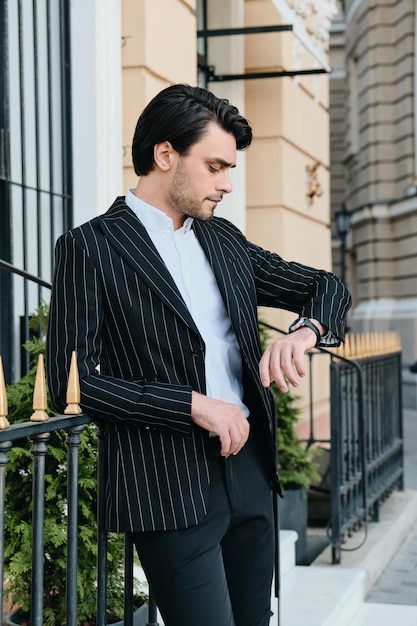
[[305, 321]]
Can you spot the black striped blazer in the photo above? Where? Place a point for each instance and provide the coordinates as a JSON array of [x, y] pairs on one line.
[[140, 354]]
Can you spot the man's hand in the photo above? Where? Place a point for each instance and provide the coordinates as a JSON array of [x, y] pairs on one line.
[[222, 418], [285, 357]]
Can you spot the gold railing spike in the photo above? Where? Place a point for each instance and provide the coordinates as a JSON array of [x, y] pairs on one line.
[[388, 346], [368, 344], [355, 347], [340, 350], [385, 342], [363, 345], [347, 347], [39, 394], [4, 422], [73, 389], [373, 344]]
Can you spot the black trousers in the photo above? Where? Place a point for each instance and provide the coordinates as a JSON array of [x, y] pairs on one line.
[[218, 573]]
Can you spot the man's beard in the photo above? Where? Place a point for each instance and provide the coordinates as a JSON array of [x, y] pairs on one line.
[[182, 195]]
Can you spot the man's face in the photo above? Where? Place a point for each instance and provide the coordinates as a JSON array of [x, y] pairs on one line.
[[203, 175]]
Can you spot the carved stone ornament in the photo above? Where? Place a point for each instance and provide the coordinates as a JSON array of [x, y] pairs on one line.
[[319, 14], [322, 13], [314, 188]]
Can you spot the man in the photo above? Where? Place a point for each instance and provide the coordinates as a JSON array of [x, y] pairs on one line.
[[159, 300]]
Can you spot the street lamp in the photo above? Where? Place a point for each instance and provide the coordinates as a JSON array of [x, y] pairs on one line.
[[342, 225]]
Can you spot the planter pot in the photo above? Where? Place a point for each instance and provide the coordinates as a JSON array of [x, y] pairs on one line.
[[140, 617], [15, 617], [293, 516]]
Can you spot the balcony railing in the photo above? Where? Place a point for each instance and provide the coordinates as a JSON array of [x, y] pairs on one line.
[[367, 455], [366, 433]]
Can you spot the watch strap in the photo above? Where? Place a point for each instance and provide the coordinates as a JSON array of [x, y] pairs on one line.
[[305, 321]]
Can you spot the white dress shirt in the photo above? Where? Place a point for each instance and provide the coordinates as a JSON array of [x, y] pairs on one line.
[[191, 271]]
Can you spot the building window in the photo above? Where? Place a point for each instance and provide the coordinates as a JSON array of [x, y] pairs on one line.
[[35, 161]]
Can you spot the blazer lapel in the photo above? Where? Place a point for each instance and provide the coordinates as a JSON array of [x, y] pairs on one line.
[[126, 234]]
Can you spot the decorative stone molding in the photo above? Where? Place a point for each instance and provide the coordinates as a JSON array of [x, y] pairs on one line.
[[314, 188], [321, 12]]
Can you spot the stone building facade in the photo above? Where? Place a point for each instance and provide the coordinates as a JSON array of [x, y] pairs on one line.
[[373, 165]]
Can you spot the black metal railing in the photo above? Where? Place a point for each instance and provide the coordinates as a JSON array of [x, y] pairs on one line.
[[39, 434], [367, 457], [366, 436]]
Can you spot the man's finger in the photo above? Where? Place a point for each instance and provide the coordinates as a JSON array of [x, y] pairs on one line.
[[264, 369]]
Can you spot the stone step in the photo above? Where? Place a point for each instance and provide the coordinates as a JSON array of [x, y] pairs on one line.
[[319, 596], [287, 541], [333, 595], [374, 549]]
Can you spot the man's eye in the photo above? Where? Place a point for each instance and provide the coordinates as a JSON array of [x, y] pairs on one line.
[[214, 169]]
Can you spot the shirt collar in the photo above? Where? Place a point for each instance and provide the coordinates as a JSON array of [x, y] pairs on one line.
[[154, 219]]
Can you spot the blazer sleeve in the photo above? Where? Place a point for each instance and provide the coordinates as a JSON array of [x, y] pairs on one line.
[[75, 323], [306, 291]]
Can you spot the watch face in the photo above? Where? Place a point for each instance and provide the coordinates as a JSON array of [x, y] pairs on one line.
[[298, 323]]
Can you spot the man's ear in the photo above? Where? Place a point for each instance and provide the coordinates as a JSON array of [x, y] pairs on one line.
[[164, 155]]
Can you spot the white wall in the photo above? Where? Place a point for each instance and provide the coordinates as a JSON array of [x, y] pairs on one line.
[[96, 106]]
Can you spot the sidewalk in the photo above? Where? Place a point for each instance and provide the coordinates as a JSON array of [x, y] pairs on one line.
[[398, 584]]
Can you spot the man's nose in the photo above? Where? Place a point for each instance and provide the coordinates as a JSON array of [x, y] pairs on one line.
[[225, 183]]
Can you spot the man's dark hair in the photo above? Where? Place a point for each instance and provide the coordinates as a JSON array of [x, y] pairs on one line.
[[180, 114]]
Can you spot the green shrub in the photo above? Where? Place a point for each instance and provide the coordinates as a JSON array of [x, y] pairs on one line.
[[296, 466]]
